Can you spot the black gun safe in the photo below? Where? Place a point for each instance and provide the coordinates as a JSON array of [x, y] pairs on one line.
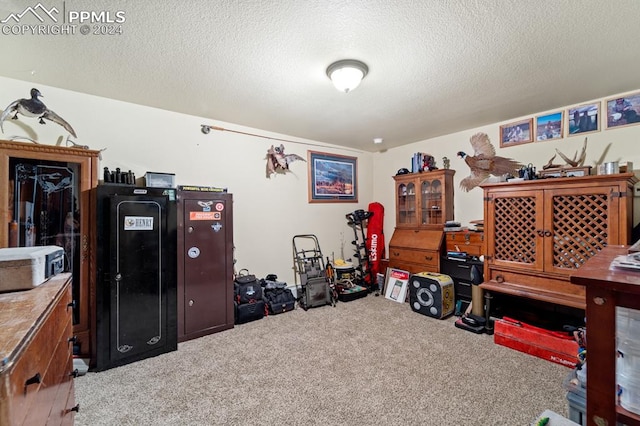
[[205, 263], [136, 274]]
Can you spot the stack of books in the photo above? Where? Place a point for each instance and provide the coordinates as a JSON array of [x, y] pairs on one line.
[[477, 225], [450, 226]]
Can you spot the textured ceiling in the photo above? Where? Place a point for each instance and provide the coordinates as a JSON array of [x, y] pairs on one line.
[[435, 66]]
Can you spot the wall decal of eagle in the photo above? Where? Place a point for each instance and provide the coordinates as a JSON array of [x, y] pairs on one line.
[[278, 161], [34, 107], [485, 162]]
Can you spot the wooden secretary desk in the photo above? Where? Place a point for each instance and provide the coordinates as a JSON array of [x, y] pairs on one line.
[[424, 202], [45, 200]]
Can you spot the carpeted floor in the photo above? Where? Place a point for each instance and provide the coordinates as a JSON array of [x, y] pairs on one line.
[[371, 361]]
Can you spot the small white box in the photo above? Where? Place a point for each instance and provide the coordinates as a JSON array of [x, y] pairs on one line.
[[160, 180], [23, 268]]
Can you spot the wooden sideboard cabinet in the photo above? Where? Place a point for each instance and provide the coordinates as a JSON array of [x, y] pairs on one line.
[[45, 200], [36, 360], [424, 200], [539, 232]]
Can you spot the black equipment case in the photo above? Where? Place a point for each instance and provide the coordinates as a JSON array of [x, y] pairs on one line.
[[247, 312]]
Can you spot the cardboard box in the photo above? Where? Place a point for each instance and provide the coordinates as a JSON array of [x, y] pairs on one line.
[[537, 342]]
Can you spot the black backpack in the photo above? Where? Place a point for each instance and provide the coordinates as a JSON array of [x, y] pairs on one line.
[[247, 288]]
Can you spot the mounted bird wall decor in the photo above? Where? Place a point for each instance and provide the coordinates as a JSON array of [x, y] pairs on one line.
[[485, 162], [278, 161], [34, 107]]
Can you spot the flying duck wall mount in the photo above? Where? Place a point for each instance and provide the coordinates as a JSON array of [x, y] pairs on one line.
[[34, 107]]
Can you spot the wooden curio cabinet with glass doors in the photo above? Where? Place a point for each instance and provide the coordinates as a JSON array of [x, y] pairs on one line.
[[424, 202], [44, 200]]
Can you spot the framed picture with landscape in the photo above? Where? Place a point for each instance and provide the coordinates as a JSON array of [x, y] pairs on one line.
[[516, 133], [549, 126], [332, 178], [623, 110]]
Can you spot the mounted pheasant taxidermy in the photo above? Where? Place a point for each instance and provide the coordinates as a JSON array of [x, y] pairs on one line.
[[34, 107], [278, 161], [484, 162]]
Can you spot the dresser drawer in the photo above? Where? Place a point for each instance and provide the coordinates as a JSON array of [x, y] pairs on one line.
[[55, 380], [427, 258], [413, 268], [465, 241]]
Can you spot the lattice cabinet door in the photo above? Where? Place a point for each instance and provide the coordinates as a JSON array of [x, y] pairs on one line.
[[578, 224], [513, 222]]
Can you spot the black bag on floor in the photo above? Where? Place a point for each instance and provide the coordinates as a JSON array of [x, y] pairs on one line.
[[278, 297], [247, 312], [247, 288]]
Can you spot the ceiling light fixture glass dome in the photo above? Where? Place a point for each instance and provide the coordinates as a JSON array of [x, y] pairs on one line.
[[347, 74]]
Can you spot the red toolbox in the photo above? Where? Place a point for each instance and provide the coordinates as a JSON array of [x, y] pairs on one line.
[[553, 346]]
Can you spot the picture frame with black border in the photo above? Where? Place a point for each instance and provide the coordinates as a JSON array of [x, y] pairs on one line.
[[333, 178]]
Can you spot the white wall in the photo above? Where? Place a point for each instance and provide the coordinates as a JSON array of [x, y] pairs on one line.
[[616, 144], [267, 212]]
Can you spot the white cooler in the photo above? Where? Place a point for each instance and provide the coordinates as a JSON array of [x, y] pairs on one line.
[[22, 268]]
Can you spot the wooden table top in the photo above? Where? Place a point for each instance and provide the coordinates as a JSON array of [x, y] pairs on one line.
[[598, 272], [21, 312]]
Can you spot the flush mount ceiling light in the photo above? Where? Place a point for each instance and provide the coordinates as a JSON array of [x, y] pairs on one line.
[[347, 74]]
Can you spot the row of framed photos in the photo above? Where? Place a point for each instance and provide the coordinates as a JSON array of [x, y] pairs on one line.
[[621, 111]]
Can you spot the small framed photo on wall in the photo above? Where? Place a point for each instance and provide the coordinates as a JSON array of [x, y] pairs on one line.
[[583, 119], [549, 126], [516, 133], [623, 110]]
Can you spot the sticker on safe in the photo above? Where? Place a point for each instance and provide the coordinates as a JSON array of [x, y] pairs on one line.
[[138, 223], [204, 215]]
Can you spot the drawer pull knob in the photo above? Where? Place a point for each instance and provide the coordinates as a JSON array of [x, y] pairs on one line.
[[35, 379], [72, 339], [76, 408], [74, 373], [428, 257], [547, 233], [500, 278], [71, 305]]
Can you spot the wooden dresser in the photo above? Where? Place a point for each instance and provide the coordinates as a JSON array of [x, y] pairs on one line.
[[539, 232], [470, 242], [36, 364]]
